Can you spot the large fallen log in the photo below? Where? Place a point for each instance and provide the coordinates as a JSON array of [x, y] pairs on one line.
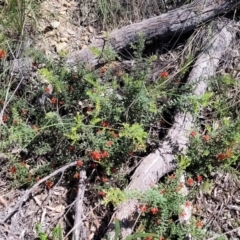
[[162, 161], [175, 22]]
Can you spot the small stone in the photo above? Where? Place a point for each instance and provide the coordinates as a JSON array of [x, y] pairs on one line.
[[61, 46], [63, 39], [55, 24], [71, 32]]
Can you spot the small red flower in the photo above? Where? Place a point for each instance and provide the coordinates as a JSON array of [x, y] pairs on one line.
[[172, 176], [76, 175], [162, 238], [79, 163], [2, 53], [35, 128], [148, 238], [49, 184], [164, 74], [104, 124], [103, 69], [96, 155], [99, 131], [101, 194], [199, 178], [104, 154], [199, 224], [5, 118], [131, 153], [13, 170], [143, 208], [190, 181], [104, 179], [154, 210], [193, 134], [109, 144], [188, 204], [53, 100], [206, 138], [115, 135]]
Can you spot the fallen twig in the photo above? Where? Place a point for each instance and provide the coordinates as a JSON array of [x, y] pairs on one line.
[[78, 225]]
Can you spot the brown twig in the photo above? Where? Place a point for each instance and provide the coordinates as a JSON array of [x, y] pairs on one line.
[[25, 197]]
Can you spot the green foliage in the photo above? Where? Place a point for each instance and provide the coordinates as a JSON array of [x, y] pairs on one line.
[[115, 196]]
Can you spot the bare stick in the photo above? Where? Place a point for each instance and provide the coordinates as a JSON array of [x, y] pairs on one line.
[[25, 197], [78, 225]]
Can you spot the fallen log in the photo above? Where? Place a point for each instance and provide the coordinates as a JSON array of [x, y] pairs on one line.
[[175, 22], [162, 161]]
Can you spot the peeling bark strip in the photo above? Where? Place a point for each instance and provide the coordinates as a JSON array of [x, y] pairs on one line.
[[178, 21], [162, 161]]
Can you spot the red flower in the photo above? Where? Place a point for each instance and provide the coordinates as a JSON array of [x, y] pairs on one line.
[[104, 124], [199, 224], [2, 53], [109, 144], [96, 155], [101, 193], [5, 118], [49, 184], [104, 154], [154, 210], [76, 175], [161, 238], [79, 163], [143, 208], [172, 176], [193, 134], [148, 238], [54, 100], [164, 74], [162, 191], [13, 170], [104, 179], [206, 138], [99, 131], [199, 178], [188, 204], [190, 181], [115, 135]]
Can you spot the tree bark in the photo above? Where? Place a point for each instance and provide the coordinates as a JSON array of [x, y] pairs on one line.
[[172, 23], [162, 161]]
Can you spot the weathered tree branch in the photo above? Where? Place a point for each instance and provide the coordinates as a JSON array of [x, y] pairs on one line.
[[172, 23]]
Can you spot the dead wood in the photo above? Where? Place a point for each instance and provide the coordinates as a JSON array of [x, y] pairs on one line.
[[172, 23], [79, 230], [162, 161]]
